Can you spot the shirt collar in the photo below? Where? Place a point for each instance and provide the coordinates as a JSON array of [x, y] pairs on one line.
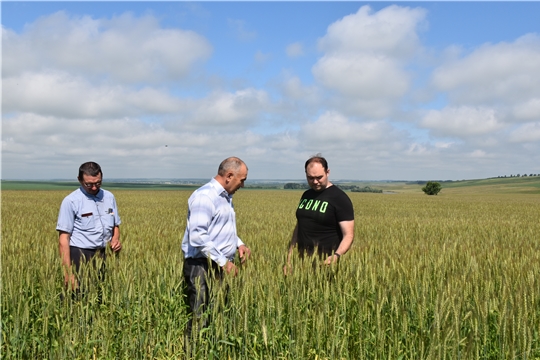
[[98, 196], [220, 189]]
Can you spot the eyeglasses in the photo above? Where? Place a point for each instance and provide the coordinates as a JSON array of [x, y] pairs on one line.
[[91, 185]]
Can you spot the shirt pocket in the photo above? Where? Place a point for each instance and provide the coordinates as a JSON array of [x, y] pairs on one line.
[[87, 220]]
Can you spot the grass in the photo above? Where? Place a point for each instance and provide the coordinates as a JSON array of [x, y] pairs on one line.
[[453, 276]]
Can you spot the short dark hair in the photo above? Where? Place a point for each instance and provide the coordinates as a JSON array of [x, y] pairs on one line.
[[230, 164], [89, 168], [317, 159]]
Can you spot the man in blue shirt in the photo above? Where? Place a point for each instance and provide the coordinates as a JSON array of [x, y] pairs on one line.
[[210, 240], [88, 221]]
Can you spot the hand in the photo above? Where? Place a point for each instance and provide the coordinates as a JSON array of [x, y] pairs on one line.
[[332, 259], [116, 246], [244, 253], [70, 282], [287, 269], [230, 268]]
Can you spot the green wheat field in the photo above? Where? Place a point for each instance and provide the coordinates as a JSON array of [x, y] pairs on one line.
[[452, 276]]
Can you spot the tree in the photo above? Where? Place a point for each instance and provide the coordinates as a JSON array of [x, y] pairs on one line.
[[295, 186], [432, 188]]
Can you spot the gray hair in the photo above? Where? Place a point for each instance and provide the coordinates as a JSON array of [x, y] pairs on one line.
[[232, 164]]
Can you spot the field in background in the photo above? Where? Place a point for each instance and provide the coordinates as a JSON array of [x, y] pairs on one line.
[[429, 277], [515, 185]]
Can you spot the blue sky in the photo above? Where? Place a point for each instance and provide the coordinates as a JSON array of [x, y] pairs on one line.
[[403, 90]]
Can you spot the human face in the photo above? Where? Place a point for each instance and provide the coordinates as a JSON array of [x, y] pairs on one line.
[[236, 180], [317, 177], [91, 184]]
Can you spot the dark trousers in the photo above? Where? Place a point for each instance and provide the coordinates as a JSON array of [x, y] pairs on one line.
[[199, 275], [91, 273], [79, 255]]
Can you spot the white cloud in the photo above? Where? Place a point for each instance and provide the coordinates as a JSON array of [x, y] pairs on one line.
[[283, 141], [363, 76], [72, 96], [443, 144], [506, 73], [129, 143], [124, 48], [294, 89], [390, 31], [461, 121], [478, 154], [295, 50], [526, 133], [365, 56], [240, 108], [139, 99], [528, 110], [333, 128]]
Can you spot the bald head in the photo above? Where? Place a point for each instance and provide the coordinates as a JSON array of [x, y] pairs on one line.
[[230, 164], [232, 173]]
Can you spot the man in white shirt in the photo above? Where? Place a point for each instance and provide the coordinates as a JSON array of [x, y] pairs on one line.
[[210, 240]]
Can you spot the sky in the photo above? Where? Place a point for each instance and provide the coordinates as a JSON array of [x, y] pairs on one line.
[[383, 90]]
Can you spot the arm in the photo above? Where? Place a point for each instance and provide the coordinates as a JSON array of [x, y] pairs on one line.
[[201, 214], [63, 248], [287, 268], [347, 229], [116, 246]]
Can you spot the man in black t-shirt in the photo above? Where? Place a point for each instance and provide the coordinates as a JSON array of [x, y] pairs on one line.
[[325, 217]]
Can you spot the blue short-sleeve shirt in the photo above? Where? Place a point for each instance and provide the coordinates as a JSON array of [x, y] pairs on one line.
[[90, 219]]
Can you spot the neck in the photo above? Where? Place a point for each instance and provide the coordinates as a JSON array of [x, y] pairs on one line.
[[221, 180]]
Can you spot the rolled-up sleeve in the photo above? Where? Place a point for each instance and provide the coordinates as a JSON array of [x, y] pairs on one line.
[[239, 243]]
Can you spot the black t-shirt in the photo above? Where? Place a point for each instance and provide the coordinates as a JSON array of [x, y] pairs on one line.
[[319, 215]]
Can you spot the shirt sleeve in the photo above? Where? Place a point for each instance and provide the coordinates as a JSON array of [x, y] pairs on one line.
[[117, 220], [200, 218], [66, 217], [239, 243], [345, 211]]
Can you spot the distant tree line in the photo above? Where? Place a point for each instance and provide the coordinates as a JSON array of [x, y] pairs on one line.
[[424, 182], [353, 188], [263, 187], [517, 175], [366, 189], [296, 186]]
